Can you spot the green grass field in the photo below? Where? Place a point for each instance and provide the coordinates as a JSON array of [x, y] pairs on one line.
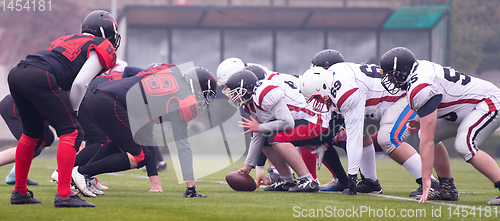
[[128, 198]]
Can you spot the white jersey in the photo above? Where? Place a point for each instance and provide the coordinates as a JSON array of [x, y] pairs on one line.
[[270, 92], [461, 93], [357, 91]]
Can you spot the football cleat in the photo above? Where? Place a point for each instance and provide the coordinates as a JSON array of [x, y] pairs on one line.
[[191, 193], [369, 186], [81, 183], [447, 192], [281, 185], [10, 179], [27, 198], [73, 200], [329, 184], [494, 202], [272, 177], [434, 187], [55, 176], [305, 185], [97, 184], [337, 187]]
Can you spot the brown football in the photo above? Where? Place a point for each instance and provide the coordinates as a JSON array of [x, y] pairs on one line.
[[241, 181]]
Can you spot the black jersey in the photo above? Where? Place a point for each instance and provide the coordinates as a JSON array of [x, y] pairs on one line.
[[66, 55], [158, 87]]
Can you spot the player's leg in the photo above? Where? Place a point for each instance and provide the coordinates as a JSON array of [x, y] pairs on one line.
[[369, 182], [476, 127]]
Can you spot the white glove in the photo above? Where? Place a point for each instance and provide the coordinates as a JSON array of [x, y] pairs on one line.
[[320, 150]]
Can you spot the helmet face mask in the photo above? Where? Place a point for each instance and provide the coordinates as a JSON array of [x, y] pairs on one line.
[[320, 103], [397, 64], [239, 88], [203, 86], [101, 24]]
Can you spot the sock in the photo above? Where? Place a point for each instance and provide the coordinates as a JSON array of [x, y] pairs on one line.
[[259, 169], [113, 163], [333, 163], [24, 155], [288, 178], [66, 154], [84, 156], [309, 160], [307, 175], [367, 164], [274, 169], [414, 165], [13, 170]]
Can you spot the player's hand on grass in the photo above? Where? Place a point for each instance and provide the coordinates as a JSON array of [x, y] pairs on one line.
[[426, 187], [245, 169], [251, 125]]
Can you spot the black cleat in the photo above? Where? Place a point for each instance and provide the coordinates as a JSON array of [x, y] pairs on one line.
[[272, 177], [305, 185], [369, 186], [27, 198], [73, 200], [352, 181], [447, 192], [281, 185], [337, 187], [191, 193], [418, 192]]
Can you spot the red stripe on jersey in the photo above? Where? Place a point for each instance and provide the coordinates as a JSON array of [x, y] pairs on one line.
[[264, 93], [491, 105], [462, 101], [345, 96], [415, 91], [375, 101], [271, 76], [305, 110]]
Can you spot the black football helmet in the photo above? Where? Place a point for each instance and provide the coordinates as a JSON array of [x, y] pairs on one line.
[[326, 58], [240, 87], [259, 72], [397, 64], [203, 85], [102, 24]]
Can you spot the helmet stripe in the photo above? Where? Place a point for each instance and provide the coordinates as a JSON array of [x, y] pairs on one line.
[[395, 63]]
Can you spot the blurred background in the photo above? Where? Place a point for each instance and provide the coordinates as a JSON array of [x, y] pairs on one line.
[[282, 35]]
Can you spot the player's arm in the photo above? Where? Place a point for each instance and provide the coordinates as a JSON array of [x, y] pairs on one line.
[[284, 119], [428, 117], [254, 151], [353, 111], [88, 71]]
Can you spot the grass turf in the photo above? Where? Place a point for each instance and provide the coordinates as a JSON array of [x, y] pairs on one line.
[[128, 198]]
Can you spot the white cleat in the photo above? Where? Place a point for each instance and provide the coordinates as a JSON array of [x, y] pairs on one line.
[[97, 184], [81, 183], [55, 176]]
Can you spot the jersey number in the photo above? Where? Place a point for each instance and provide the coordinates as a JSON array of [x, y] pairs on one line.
[[456, 77], [69, 48], [370, 70], [291, 84], [335, 88], [160, 84]]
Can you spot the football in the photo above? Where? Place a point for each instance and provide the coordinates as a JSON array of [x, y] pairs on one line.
[[241, 181]]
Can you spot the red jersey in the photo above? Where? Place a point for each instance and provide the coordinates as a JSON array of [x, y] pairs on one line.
[[66, 55]]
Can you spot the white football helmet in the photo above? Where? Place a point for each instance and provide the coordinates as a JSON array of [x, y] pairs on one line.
[[227, 68], [316, 84]]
